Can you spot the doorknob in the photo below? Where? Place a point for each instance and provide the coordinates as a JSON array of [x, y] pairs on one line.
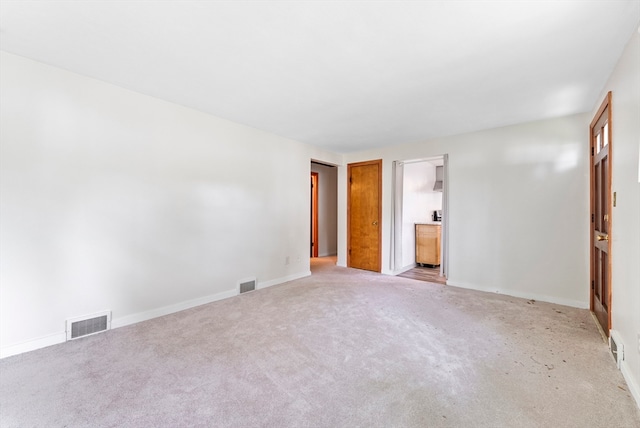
[[602, 237], [375, 223]]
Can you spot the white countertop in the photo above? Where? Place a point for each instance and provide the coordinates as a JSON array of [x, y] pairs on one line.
[[436, 223]]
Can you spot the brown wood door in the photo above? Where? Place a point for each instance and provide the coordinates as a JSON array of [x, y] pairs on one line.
[[364, 206], [601, 215]]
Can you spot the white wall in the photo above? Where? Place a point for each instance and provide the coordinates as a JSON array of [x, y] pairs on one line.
[[327, 209], [419, 202], [433, 198], [115, 200], [518, 207], [624, 84]]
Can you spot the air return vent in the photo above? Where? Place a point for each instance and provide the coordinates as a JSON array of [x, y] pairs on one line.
[[617, 347], [87, 325], [247, 285]]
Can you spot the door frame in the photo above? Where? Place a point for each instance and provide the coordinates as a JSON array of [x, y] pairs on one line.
[[315, 179], [377, 162], [606, 104], [398, 199]]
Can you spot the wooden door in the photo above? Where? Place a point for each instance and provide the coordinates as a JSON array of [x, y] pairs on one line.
[[364, 214], [314, 215], [601, 214]]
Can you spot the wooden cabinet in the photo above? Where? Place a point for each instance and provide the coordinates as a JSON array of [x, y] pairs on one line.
[[428, 244]]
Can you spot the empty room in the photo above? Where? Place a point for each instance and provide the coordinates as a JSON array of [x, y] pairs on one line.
[[320, 213]]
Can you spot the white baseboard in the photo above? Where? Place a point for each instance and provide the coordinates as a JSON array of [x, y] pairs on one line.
[[540, 297], [57, 338], [170, 309], [288, 278], [166, 310], [632, 383], [32, 345]]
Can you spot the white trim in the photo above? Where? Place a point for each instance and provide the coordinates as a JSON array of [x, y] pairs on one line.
[[540, 297], [57, 338], [397, 200], [32, 345], [284, 279], [631, 382], [444, 242], [622, 363], [170, 309]]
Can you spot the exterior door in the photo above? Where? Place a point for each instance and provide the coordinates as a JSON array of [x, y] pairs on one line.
[[364, 206], [601, 214]]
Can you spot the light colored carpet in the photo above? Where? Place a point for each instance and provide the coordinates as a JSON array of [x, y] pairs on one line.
[[342, 348]]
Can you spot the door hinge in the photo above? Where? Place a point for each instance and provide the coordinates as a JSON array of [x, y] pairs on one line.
[[592, 218], [349, 251], [350, 180], [593, 285], [591, 151]]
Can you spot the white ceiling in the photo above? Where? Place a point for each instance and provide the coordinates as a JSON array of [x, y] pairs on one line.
[[342, 75]]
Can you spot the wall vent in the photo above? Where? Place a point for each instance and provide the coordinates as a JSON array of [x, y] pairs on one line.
[[617, 347], [246, 285], [87, 325]]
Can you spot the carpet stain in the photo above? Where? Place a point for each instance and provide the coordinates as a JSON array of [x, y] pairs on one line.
[[339, 348]]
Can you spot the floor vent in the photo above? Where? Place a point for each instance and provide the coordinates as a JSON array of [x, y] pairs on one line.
[[247, 285], [617, 348], [91, 324]]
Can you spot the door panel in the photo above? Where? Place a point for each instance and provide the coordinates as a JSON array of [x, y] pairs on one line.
[[364, 197], [601, 215]]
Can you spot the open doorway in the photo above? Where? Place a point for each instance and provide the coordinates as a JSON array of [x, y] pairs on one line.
[[323, 213], [313, 252], [420, 226]]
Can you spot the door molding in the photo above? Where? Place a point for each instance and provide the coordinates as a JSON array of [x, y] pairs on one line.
[[377, 162], [605, 107], [314, 213]]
